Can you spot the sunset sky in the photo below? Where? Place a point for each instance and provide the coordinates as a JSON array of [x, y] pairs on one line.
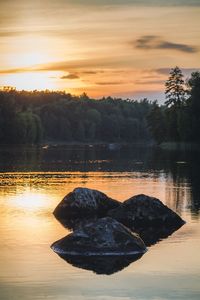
[[102, 47]]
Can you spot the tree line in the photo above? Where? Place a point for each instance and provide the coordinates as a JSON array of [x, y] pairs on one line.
[[178, 120], [42, 116]]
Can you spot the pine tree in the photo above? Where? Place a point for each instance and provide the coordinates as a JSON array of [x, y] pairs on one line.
[[175, 91]]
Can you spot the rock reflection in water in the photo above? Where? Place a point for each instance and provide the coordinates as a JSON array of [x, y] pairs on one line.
[[106, 265], [112, 264], [144, 215], [104, 246], [153, 235]]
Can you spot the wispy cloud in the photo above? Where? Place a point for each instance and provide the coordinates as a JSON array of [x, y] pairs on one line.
[[70, 76], [73, 66], [137, 2], [149, 82], [110, 82], [91, 72], [14, 71], [186, 71], [149, 42]]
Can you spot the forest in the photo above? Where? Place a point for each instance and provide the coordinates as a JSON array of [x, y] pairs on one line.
[[178, 120], [54, 116], [35, 117]]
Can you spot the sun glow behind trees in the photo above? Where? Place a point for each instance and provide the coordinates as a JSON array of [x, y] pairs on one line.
[[42, 116], [30, 81], [123, 51]]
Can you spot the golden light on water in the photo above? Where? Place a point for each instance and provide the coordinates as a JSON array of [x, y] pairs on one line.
[[30, 201]]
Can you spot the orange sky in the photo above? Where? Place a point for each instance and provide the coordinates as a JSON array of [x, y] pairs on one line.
[[114, 47]]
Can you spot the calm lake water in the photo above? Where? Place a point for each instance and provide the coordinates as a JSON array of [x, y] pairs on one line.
[[34, 180]]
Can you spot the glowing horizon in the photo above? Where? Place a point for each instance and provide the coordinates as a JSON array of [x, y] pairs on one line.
[[116, 48]]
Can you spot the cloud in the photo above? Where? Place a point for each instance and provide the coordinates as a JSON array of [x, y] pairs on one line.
[[136, 2], [149, 42], [149, 82], [81, 65], [72, 66], [14, 71], [31, 32], [176, 46], [110, 83], [70, 76], [91, 72], [166, 71]]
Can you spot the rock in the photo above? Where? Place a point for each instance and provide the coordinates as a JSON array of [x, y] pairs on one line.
[[102, 237], [101, 264], [74, 223], [84, 202], [143, 211]]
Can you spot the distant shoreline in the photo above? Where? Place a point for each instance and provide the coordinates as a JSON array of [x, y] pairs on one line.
[[179, 146], [78, 143], [110, 145]]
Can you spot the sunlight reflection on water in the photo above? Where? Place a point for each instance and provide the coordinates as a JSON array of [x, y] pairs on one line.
[[30, 270]]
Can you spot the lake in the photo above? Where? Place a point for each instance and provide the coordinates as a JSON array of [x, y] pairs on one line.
[[33, 180]]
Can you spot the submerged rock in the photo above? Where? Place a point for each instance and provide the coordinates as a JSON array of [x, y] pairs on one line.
[[106, 265], [102, 237], [84, 202], [143, 211]]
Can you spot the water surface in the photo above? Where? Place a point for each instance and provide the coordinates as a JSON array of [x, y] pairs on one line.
[[33, 180]]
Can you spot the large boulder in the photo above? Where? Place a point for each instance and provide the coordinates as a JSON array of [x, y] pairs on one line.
[[102, 237], [143, 211], [84, 202], [73, 223]]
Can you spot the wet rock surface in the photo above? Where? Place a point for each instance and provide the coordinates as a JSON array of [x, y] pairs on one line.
[[84, 202], [143, 211], [102, 237], [149, 234], [74, 223]]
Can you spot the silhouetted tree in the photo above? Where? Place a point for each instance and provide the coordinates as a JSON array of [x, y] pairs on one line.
[[175, 91], [193, 104], [156, 122]]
